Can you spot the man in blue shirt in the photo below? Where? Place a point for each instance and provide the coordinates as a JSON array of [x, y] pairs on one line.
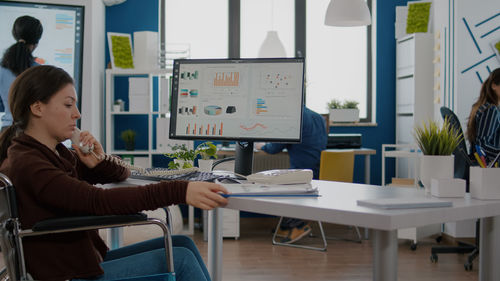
[[304, 155]]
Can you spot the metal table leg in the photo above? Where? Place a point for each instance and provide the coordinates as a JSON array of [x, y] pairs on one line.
[[489, 249], [367, 181], [115, 238], [385, 255], [215, 244]]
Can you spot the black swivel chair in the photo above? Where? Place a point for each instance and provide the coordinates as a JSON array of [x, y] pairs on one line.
[[462, 164]]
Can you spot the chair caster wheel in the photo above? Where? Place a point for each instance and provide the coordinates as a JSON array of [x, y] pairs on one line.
[[468, 266], [413, 246], [434, 258]]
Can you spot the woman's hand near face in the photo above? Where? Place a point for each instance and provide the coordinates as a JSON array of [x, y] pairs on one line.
[[96, 156], [205, 195]]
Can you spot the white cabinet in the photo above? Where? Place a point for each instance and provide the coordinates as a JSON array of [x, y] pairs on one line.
[[146, 99], [414, 91], [414, 105]]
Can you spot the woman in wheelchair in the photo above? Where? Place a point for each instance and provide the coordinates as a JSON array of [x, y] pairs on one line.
[[483, 128], [53, 181]]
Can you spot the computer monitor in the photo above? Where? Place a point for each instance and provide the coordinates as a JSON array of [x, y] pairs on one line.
[[237, 99], [62, 39], [244, 100]]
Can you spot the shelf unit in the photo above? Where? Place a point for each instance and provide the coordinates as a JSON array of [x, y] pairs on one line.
[[414, 92], [157, 94], [155, 102], [414, 105]]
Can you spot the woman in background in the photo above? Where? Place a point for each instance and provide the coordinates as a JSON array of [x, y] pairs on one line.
[[483, 128], [53, 181], [27, 31]]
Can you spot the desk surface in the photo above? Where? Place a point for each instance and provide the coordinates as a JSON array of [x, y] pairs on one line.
[[337, 204], [357, 151]]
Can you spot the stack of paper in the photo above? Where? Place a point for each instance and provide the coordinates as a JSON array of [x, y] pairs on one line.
[[272, 190], [404, 203]]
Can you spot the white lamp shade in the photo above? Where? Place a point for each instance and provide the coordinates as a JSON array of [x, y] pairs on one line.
[[272, 46], [347, 13]]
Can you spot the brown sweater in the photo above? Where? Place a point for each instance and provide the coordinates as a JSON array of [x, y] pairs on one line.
[[50, 186]]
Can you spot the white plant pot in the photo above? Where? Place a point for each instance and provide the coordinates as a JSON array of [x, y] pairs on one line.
[[435, 167], [181, 162], [205, 165], [344, 115]]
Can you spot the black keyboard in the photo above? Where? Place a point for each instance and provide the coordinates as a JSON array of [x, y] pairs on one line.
[[191, 176]]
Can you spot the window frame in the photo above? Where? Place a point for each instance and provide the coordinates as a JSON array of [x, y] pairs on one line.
[[234, 19]]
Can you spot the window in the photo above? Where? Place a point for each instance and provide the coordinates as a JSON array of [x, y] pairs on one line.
[[260, 16], [336, 61], [337, 58], [204, 28]]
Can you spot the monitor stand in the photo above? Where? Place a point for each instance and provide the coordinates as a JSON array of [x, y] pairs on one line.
[[244, 158]]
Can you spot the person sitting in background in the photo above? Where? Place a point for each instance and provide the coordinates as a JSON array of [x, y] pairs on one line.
[[53, 181], [27, 31], [483, 128], [303, 155]]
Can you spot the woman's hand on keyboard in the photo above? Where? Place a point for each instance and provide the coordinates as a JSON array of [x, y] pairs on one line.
[[205, 195]]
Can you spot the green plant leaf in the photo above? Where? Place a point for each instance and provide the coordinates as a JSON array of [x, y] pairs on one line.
[[433, 140]]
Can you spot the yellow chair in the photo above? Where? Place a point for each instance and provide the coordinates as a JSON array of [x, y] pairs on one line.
[[338, 166], [334, 166]]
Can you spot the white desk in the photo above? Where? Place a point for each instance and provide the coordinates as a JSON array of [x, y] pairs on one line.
[[337, 204], [366, 152]]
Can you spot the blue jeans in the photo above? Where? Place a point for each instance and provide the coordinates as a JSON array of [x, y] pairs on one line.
[[148, 258]]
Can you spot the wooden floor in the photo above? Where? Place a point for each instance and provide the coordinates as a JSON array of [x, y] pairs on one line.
[[253, 257]]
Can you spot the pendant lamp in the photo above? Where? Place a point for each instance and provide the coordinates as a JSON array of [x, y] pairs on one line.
[[272, 47], [347, 13]]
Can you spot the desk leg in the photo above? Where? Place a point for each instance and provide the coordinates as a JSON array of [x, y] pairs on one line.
[[385, 255], [489, 249], [367, 169], [115, 238], [215, 244], [367, 181]]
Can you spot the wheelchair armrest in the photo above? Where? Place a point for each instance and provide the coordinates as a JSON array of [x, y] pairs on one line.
[[83, 221]]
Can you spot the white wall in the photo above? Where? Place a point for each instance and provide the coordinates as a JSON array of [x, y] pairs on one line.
[[466, 54]]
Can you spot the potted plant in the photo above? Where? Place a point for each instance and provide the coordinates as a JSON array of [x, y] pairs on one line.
[[183, 157], [207, 152], [437, 145], [128, 136], [346, 111]]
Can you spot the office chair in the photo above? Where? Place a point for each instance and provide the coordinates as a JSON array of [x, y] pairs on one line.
[[461, 170], [334, 166], [11, 233]]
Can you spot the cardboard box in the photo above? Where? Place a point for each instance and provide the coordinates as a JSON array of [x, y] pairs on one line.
[[448, 187], [485, 183]]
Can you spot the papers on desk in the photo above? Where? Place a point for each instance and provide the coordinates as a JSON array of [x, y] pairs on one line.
[[404, 203], [270, 190]]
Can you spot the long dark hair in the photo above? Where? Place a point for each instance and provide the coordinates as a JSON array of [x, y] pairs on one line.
[[487, 95], [27, 31], [37, 83]]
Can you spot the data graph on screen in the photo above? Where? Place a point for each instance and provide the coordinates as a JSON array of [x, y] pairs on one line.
[[244, 99]]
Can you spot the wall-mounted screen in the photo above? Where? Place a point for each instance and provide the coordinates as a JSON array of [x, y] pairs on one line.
[[62, 39]]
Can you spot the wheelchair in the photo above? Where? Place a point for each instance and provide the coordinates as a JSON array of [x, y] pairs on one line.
[[11, 234]]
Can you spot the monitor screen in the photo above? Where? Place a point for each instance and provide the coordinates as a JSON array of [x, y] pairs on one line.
[[237, 99], [62, 39]]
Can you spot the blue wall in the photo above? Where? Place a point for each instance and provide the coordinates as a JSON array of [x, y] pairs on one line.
[[140, 15]]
